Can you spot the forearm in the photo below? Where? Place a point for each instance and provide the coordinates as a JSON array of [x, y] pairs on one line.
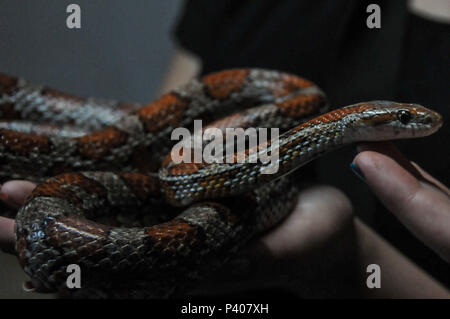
[[182, 67]]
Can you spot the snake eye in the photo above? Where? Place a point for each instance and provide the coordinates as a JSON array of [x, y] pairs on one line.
[[404, 116]]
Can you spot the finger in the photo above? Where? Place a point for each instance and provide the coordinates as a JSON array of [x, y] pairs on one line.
[[424, 210], [431, 179], [321, 211], [389, 149], [7, 234], [14, 193]]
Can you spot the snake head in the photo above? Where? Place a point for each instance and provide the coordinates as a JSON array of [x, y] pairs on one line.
[[385, 120]]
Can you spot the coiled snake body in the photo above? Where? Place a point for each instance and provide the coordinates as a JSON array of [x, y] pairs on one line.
[[107, 210]]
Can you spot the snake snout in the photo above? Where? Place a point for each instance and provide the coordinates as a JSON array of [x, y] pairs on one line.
[[431, 120], [436, 119]]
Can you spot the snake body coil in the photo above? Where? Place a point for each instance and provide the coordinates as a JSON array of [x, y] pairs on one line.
[[107, 210]]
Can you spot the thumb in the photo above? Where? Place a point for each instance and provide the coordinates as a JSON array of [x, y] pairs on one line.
[[422, 208]]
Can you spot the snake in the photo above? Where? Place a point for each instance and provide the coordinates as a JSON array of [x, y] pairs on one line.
[[111, 199]]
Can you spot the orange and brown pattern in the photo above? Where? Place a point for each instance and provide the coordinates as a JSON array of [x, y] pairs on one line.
[[108, 176]]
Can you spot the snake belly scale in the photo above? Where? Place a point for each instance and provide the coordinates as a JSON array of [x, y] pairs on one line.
[[140, 225]]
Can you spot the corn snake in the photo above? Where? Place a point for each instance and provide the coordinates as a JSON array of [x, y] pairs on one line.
[[127, 142]]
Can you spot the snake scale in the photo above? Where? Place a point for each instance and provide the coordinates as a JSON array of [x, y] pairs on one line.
[[110, 200]]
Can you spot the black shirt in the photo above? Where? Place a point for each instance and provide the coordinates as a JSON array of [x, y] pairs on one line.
[[328, 42]]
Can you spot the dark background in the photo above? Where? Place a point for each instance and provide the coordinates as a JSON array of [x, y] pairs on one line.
[[328, 42]]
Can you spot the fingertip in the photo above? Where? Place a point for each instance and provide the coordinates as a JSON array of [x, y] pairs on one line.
[[376, 166], [367, 160], [17, 185], [15, 192], [334, 205], [338, 199], [386, 159], [392, 183]]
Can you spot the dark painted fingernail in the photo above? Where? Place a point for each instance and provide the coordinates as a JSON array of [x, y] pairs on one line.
[[355, 169]]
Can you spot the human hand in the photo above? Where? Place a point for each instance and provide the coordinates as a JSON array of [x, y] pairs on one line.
[[319, 223], [319, 250], [417, 199], [322, 249], [14, 194], [310, 253]]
